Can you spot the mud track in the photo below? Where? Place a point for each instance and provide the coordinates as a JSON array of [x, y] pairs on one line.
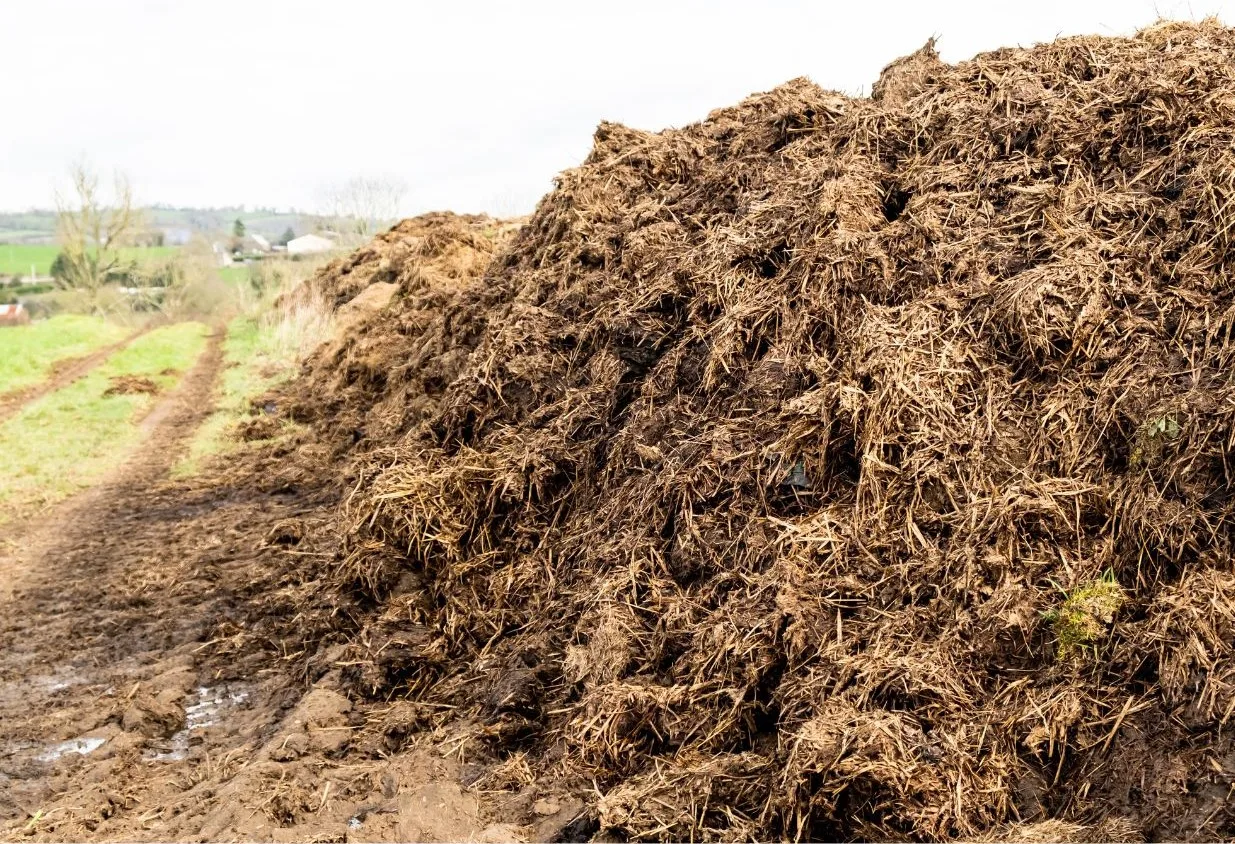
[[114, 721], [63, 373]]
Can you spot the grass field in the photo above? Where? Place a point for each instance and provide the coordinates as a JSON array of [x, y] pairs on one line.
[[18, 258], [28, 352], [71, 438]]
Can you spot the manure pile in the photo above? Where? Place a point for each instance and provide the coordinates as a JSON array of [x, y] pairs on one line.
[[394, 352], [835, 467]]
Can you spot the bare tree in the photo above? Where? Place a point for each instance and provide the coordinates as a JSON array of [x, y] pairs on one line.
[[363, 205], [91, 230]]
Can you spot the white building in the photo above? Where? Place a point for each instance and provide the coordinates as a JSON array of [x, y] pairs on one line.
[[308, 244]]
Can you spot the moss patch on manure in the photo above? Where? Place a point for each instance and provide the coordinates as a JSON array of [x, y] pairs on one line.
[[1085, 617]]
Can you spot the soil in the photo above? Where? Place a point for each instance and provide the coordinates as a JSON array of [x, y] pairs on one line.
[[63, 373], [126, 385]]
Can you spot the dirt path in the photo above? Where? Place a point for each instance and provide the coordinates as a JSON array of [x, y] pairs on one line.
[[61, 625], [63, 373], [114, 722], [166, 428]]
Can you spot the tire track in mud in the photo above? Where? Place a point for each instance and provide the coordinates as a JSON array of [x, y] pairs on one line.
[[168, 427], [64, 373], [58, 626]]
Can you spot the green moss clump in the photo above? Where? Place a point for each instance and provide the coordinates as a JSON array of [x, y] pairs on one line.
[[1151, 439], [1085, 616]]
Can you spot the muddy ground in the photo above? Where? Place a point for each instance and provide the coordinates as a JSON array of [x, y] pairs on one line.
[[118, 720]]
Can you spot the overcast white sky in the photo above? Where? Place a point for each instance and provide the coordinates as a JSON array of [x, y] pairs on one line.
[[476, 105]]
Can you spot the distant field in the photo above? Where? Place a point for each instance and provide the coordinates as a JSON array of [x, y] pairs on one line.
[[18, 235], [30, 226], [17, 258]]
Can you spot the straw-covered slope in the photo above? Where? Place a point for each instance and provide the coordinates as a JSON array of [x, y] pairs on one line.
[[838, 467]]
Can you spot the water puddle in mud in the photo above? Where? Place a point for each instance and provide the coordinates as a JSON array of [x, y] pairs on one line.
[[41, 691], [20, 690], [205, 708], [57, 682], [81, 746]]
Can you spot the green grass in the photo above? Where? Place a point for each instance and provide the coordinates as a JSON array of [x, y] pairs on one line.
[[69, 439], [28, 352], [237, 275], [18, 258], [1085, 616], [253, 362]]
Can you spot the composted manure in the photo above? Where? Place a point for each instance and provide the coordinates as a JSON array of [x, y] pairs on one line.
[[835, 467]]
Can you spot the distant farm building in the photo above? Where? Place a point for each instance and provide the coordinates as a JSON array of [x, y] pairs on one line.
[[309, 244], [241, 249], [176, 236], [13, 315]]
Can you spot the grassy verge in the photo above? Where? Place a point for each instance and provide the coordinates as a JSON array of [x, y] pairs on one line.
[[255, 358], [69, 439], [235, 275], [28, 352]]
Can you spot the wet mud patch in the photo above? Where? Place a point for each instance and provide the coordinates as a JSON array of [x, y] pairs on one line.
[[80, 746], [205, 709], [129, 385]]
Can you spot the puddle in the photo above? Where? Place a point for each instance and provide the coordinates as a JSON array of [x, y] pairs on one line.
[[205, 709], [210, 704], [81, 746], [43, 685]]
